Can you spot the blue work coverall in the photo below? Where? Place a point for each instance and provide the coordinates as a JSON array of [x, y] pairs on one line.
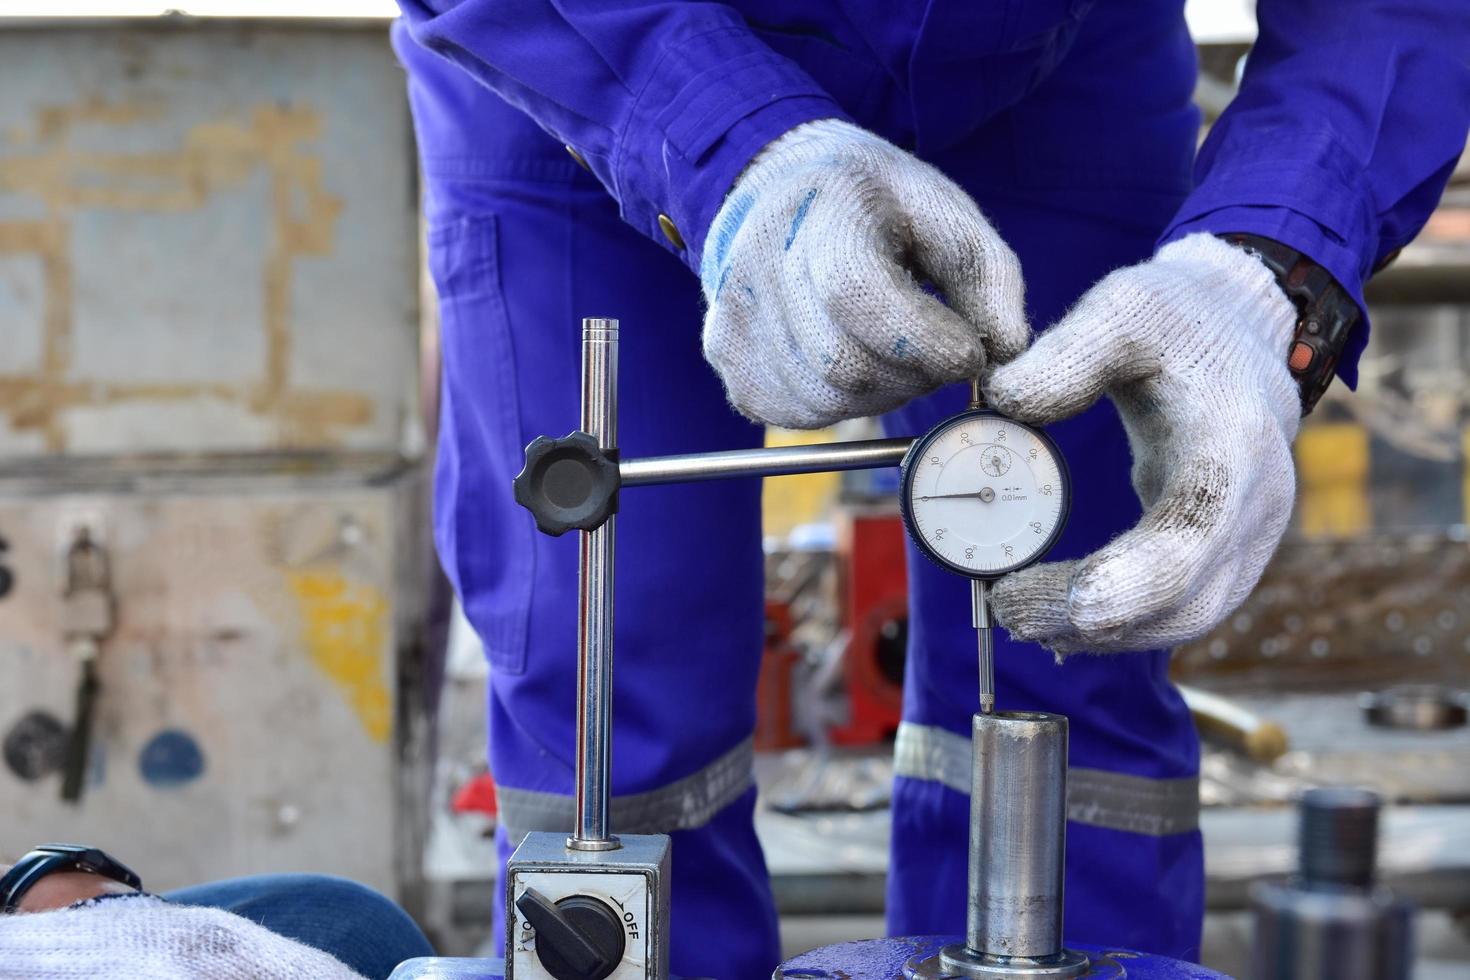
[[1071, 123]]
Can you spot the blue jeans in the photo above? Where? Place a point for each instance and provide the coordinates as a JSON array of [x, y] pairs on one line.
[[350, 921]]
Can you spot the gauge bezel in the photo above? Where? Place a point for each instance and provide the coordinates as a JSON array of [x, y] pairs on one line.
[[906, 490]]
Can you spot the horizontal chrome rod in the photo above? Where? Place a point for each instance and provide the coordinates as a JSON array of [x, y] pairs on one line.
[[869, 454]]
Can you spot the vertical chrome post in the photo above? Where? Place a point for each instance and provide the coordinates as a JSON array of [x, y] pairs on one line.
[[595, 601], [1018, 827]]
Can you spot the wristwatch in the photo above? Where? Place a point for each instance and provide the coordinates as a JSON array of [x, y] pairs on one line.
[[49, 858], [1326, 314]]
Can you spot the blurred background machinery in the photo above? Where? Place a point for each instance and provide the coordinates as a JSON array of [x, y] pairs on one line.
[[213, 530]]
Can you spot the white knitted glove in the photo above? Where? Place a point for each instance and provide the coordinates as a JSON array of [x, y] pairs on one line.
[[141, 936], [814, 271], [1191, 346]]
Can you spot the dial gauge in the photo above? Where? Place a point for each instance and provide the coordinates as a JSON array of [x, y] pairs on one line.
[[984, 495]]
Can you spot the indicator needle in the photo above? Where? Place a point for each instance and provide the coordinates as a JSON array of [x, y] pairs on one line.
[[976, 494], [980, 616]]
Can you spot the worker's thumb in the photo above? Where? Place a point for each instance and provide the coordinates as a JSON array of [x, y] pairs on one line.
[[965, 257], [1073, 364]]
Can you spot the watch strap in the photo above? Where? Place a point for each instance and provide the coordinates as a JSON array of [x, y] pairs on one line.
[[50, 858], [1326, 314]]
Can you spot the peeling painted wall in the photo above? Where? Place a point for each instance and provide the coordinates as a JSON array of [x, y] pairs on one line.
[[209, 315], [208, 239]]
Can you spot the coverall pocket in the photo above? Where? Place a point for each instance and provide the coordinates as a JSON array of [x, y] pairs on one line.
[[485, 542]]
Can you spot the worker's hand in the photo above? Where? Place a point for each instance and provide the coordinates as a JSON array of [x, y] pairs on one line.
[[63, 888], [1191, 346], [815, 272]]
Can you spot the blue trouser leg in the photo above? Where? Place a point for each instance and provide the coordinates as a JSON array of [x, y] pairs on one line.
[[350, 921], [522, 245]]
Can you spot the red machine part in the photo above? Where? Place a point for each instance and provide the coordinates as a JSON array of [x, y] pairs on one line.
[[476, 795], [874, 586], [774, 716]]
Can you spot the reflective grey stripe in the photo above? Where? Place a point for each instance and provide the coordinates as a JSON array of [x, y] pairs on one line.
[[1137, 804], [1097, 797], [682, 805], [935, 754]]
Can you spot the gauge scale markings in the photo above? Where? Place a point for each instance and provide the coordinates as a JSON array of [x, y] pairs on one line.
[[985, 494]]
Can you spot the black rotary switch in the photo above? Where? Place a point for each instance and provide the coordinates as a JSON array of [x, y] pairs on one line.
[[577, 938], [568, 483]]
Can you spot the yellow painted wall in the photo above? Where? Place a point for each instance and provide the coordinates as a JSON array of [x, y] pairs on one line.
[[789, 501], [1332, 467]]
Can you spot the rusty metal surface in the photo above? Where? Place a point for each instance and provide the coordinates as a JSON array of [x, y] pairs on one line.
[[1330, 621], [250, 710], [208, 238], [1345, 615]]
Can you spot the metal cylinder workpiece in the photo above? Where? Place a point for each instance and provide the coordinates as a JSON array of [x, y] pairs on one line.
[[1018, 826], [595, 602]]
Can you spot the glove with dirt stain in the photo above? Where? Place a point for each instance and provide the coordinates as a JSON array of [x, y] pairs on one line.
[[1191, 346]]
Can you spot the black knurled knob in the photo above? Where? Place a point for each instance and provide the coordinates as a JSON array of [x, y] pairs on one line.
[[577, 938], [568, 483]]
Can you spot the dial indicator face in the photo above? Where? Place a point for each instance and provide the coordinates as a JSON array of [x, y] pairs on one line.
[[984, 495]]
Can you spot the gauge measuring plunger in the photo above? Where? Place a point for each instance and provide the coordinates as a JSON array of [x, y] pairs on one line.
[[984, 495]]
